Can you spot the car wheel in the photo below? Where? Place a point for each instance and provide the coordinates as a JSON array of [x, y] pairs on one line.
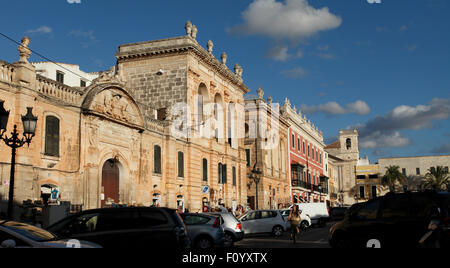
[[229, 241], [204, 243], [277, 231], [304, 225]]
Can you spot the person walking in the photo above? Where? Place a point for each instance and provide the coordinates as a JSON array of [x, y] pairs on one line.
[[295, 219]]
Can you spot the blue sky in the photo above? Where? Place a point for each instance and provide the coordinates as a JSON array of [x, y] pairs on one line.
[[384, 68]]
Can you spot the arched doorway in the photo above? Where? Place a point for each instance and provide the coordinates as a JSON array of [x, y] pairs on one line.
[[110, 183]]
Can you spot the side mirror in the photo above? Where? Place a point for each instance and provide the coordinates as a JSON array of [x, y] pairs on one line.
[[8, 244], [244, 219]]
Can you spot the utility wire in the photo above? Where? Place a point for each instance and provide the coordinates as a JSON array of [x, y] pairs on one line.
[[44, 57]]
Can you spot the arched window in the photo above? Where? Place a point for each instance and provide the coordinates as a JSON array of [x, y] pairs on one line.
[[180, 165], [51, 136], [205, 170], [157, 160], [349, 144], [222, 173]]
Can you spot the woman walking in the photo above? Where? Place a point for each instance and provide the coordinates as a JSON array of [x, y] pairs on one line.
[[295, 219]]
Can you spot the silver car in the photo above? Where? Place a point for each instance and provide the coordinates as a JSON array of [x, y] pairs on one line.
[[263, 221], [232, 227], [20, 235], [205, 231]]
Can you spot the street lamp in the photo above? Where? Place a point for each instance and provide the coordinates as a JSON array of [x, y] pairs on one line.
[[29, 129], [255, 176]]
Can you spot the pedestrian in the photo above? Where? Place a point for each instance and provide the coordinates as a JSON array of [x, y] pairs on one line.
[[295, 219]]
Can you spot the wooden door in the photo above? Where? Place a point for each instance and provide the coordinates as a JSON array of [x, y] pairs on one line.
[[110, 182]]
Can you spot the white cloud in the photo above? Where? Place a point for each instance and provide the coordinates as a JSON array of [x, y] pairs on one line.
[[74, 1], [295, 73], [333, 108], [294, 19], [384, 131], [41, 30], [278, 53]]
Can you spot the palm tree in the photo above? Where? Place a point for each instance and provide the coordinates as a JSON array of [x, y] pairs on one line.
[[414, 183], [392, 177], [437, 179]]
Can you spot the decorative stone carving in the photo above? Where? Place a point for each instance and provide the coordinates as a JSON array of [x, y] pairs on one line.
[[210, 46], [194, 32], [287, 102], [108, 77], [224, 58], [270, 100], [114, 104], [24, 51], [188, 28], [260, 93], [294, 109], [238, 70]]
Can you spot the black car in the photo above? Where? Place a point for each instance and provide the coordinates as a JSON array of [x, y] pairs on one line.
[[394, 220], [126, 228], [338, 213]]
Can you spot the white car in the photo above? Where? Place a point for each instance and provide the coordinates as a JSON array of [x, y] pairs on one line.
[[317, 212], [263, 221], [304, 224], [20, 235]]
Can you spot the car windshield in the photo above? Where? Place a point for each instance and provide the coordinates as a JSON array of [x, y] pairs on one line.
[[29, 231]]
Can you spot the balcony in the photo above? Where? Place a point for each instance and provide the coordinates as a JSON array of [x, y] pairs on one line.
[[298, 183]]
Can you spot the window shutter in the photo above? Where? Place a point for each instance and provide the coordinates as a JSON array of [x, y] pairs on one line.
[[234, 176], [205, 170], [157, 159], [180, 165], [52, 136], [220, 173]]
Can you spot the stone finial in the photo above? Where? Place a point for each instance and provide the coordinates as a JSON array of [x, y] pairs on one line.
[[287, 102], [269, 100], [194, 31], [260, 93], [224, 58], [294, 109], [188, 28], [24, 51], [238, 70], [210, 46]]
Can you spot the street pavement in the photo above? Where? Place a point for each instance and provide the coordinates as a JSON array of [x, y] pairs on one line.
[[314, 237]]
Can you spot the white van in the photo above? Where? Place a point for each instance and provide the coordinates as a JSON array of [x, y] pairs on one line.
[[317, 212]]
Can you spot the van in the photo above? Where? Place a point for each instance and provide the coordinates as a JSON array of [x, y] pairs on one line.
[[317, 212]]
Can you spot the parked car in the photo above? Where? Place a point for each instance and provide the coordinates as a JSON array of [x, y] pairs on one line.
[[126, 228], [338, 213], [317, 212], [20, 235], [393, 221], [263, 221], [205, 231], [304, 224], [232, 227]]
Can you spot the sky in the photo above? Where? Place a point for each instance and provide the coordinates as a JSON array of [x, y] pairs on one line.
[[381, 66]]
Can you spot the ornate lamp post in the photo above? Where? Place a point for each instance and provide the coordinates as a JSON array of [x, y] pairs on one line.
[[29, 129], [255, 176]]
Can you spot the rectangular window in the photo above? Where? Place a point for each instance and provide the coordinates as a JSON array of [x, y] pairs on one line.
[[313, 153], [205, 170], [404, 171], [362, 193], [361, 177], [60, 77], [157, 160], [52, 136], [161, 114], [180, 165], [247, 154], [304, 148], [374, 192], [224, 174], [82, 83], [433, 169], [417, 171], [298, 144], [293, 141], [234, 177], [309, 151]]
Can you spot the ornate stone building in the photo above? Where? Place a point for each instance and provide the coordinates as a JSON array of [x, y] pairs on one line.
[[266, 146], [137, 134], [345, 155]]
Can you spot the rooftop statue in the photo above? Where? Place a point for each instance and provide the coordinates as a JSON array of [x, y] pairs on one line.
[[24, 51]]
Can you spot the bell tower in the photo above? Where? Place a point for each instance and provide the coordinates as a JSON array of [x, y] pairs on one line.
[[349, 149]]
